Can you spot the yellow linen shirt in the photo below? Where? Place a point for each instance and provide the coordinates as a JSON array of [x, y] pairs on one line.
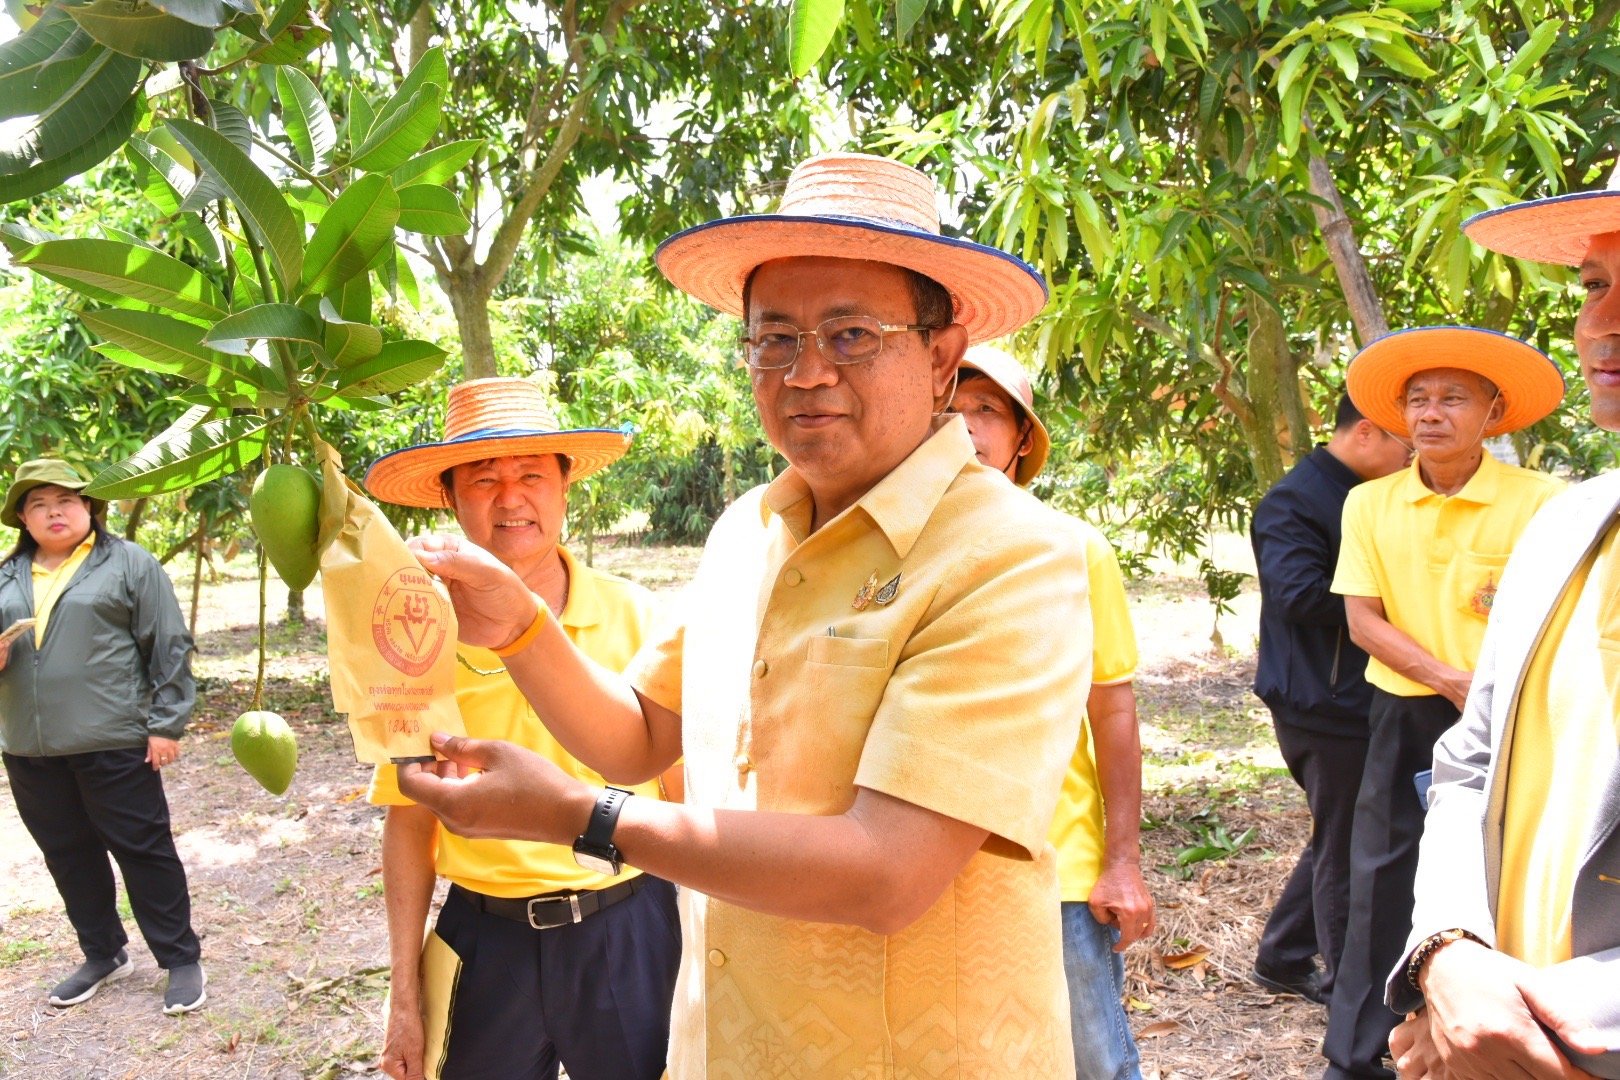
[[907, 646], [48, 584], [607, 617], [1077, 828], [1435, 560], [1564, 743]]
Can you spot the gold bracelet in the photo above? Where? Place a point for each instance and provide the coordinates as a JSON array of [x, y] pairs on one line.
[[525, 639], [1433, 944]]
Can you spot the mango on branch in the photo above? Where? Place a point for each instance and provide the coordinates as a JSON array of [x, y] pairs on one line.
[[266, 748], [285, 510]]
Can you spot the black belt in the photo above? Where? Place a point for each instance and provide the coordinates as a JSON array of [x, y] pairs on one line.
[[551, 910]]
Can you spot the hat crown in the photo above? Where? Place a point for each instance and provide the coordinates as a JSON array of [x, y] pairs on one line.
[[1005, 370], [862, 186], [500, 404]]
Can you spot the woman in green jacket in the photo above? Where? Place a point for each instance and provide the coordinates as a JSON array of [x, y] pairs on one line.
[[95, 691]]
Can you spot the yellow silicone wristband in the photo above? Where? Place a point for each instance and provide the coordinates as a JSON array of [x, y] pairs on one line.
[[525, 639]]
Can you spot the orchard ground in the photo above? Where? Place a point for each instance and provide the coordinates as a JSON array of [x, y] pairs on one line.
[[287, 891]]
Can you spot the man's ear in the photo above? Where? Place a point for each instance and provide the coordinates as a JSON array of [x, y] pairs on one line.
[[945, 349], [1498, 408]]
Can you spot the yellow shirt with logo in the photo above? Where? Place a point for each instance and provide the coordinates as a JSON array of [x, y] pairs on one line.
[[1077, 828], [607, 617], [907, 646], [1565, 734], [48, 584], [1435, 560]]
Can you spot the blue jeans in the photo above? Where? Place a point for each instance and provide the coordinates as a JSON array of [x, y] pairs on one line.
[[1103, 1047]]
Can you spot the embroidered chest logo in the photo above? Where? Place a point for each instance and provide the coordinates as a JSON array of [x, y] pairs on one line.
[[1484, 597], [870, 593]]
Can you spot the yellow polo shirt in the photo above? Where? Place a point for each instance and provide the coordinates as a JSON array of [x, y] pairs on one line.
[[1565, 733], [907, 646], [48, 584], [607, 617], [1435, 560], [1077, 828]]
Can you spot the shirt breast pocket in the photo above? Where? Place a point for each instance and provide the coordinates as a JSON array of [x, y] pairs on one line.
[[1478, 576], [844, 680]]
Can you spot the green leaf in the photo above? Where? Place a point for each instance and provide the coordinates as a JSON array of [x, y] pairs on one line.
[[278, 322], [349, 343], [1288, 70], [50, 174], [256, 199], [185, 455], [39, 66], [811, 26], [99, 90], [361, 116], [437, 165], [401, 132], [215, 400], [1400, 56], [356, 227], [229, 121], [294, 33], [431, 210], [306, 118], [1344, 54], [400, 364], [352, 299], [1530, 53], [210, 13], [906, 14], [158, 175], [142, 30], [159, 343], [107, 269], [432, 70]]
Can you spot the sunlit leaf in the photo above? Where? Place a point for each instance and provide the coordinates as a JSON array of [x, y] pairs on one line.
[[355, 229], [186, 454], [101, 87], [174, 347], [811, 26], [399, 365], [401, 132], [431, 210], [49, 174], [108, 269], [251, 192], [306, 118], [142, 30], [437, 165], [279, 322]]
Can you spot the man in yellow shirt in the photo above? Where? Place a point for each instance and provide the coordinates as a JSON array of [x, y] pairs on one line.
[[1421, 556], [1106, 904], [874, 713], [534, 960], [1513, 962]]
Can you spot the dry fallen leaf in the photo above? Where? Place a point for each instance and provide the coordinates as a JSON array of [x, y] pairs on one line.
[[1160, 1027], [1180, 960]]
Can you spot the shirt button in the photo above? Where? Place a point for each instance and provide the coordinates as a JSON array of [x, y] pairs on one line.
[[717, 958], [760, 668], [744, 765], [793, 576]]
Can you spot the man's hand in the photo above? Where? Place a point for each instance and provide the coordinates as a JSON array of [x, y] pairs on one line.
[[492, 604], [403, 1042], [487, 788], [1120, 899], [161, 751], [1556, 1007], [1413, 1049], [1480, 1026], [1453, 686]]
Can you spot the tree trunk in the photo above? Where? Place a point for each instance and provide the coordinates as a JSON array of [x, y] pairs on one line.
[[132, 523], [196, 569], [1366, 309], [470, 304], [1268, 348], [295, 606], [1267, 343]]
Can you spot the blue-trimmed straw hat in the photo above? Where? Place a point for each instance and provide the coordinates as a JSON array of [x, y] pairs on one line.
[[491, 418], [856, 206], [1555, 230], [1530, 382]]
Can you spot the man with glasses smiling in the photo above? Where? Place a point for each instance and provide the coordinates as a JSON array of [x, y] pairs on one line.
[[874, 712]]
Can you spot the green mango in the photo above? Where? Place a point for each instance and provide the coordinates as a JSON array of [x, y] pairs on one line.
[[285, 508], [265, 746]]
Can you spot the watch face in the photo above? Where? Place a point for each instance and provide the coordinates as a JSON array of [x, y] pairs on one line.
[[596, 861]]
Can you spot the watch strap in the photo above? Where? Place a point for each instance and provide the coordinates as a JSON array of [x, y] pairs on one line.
[[598, 832]]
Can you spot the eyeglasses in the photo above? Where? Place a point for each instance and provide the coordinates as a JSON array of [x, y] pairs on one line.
[[848, 339]]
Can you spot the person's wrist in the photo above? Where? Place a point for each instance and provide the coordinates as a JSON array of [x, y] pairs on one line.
[[1431, 948], [526, 636]]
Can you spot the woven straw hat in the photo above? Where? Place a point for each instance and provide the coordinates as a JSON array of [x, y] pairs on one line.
[[856, 206], [1555, 230], [38, 473], [1005, 371], [1531, 384], [490, 418]]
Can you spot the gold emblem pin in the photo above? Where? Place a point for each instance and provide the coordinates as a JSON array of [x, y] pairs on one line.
[[863, 597], [885, 594]]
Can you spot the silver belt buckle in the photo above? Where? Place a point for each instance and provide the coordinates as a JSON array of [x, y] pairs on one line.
[[573, 908]]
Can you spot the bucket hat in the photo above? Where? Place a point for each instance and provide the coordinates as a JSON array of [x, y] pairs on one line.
[[38, 473], [489, 418], [1003, 369], [1554, 230], [856, 206], [1531, 384]]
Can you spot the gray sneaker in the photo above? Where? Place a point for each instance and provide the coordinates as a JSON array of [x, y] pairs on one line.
[[82, 985], [185, 991]]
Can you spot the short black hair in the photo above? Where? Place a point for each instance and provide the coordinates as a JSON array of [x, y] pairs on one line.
[[446, 478], [931, 300], [1348, 415]]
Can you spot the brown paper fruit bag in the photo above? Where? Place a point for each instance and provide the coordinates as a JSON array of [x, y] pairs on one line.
[[390, 629]]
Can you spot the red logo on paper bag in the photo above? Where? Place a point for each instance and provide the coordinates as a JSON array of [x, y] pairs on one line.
[[409, 621]]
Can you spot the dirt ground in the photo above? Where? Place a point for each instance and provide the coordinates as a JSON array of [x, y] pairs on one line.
[[287, 890]]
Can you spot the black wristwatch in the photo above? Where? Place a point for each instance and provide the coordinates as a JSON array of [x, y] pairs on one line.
[[594, 849]]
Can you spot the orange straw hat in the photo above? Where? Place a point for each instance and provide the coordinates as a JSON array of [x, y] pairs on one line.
[[856, 206], [1531, 384], [490, 418], [1555, 230], [1003, 369]]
